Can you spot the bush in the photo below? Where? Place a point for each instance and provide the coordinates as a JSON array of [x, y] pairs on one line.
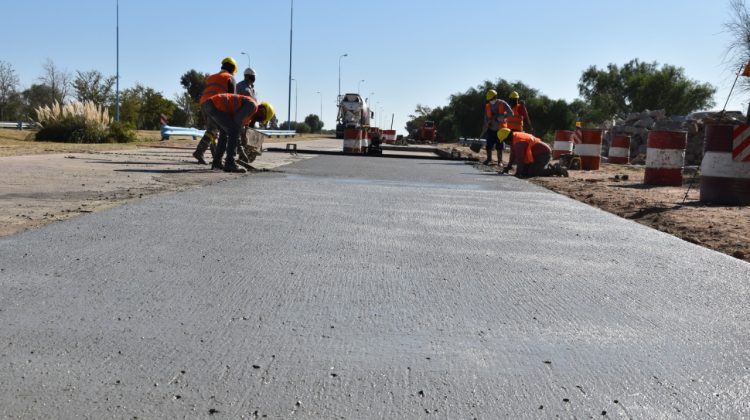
[[302, 128], [80, 123]]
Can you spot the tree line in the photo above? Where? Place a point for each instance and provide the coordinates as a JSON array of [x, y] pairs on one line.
[[605, 93]]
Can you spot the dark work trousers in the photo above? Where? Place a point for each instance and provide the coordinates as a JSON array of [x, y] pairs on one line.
[[231, 125], [212, 130], [492, 142], [536, 168]]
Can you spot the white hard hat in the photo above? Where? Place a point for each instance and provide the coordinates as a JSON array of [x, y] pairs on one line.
[[249, 72]]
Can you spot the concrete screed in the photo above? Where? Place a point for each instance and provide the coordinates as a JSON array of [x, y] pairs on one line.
[[348, 287]]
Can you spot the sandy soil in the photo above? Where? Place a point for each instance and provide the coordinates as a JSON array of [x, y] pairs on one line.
[[45, 182], [721, 228]]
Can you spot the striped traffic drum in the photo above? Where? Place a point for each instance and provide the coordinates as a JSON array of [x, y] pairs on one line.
[[389, 136], [619, 150], [563, 144], [725, 169], [355, 140], [665, 157], [590, 148]]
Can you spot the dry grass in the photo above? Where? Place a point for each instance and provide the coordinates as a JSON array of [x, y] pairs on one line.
[[93, 115]]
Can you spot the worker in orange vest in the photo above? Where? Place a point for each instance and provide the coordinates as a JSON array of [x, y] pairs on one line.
[[495, 112], [520, 114], [221, 82], [530, 154], [230, 112]]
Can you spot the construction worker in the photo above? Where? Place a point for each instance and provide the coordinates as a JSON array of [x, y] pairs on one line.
[[221, 82], [230, 112], [495, 112], [530, 155], [520, 114], [246, 153]]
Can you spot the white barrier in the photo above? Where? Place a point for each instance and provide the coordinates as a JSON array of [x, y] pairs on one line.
[[167, 131], [17, 125]]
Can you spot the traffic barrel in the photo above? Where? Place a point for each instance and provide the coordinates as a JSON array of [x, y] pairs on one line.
[[665, 157], [619, 150], [389, 136], [725, 169], [589, 148], [563, 143], [354, 140]]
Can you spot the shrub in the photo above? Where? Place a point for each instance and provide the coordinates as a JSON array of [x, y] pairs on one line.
[[80, 123]]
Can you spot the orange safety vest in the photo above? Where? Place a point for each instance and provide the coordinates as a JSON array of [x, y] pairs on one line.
[[515, 122], [530, 140], [216, 84], [495, 110], [230, 102]]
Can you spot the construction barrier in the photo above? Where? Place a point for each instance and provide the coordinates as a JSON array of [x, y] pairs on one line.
[[725, 179], [665, 157], [389, 136], [563, 143], [355, 140], [590, 148], [619, 150]]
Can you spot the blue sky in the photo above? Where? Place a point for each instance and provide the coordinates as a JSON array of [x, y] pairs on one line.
[[408, 52]]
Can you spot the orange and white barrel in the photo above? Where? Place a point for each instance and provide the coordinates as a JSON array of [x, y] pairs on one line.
[[563, 144], [619, 150], [665, 157], [389, 136], [355, 140], [590, 148], [725, 179]]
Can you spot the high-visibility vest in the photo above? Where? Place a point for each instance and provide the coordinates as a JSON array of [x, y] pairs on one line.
[[527, 138], [216, 84], [494, 111], [515, 122], [230, 103]]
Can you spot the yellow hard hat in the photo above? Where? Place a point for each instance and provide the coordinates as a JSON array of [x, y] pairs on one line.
[[491, 94], [578, 124], [269, 111], [503, 134], [230, 60], [514, 95]]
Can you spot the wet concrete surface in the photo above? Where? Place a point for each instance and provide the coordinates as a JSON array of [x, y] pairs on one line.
[[346, 287]]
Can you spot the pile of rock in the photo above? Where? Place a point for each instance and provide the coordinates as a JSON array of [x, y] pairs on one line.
[[637, 125]]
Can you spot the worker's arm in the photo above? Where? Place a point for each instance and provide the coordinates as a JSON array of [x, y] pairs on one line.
[[528, 119], [231, 85], [508, 111], [511, 159]]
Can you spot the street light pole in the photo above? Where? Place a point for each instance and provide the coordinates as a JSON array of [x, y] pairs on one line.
[[289, 96], [295, 99], [117, 77], [248, 58], [321, 105], [358, 84], [340, 57]]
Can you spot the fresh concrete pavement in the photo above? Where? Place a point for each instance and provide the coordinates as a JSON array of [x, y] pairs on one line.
[[351, 287]]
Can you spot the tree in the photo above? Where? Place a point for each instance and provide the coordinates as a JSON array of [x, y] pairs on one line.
[[36, 96], [58, 80], [314, 122], [194, 82], [8, 91], [637, 86], [738, 50], [93, 86], [142, 107]]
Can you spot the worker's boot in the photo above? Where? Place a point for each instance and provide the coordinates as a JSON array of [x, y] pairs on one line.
[[200, 151]]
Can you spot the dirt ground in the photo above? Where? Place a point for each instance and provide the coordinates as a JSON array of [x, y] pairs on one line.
[[721, 228], [44, 182]]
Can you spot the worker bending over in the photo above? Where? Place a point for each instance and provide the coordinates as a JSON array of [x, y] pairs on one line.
[[495, 112], [230, 112], [248, 150], [221, 82], [530, 154]]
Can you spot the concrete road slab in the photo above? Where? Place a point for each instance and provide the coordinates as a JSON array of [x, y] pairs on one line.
[[344, 287]]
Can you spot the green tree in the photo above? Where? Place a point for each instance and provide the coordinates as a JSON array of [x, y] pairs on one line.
[[314, 122], [194, 82], [142, 107], [93, 86], [637, 86], [36, 96]]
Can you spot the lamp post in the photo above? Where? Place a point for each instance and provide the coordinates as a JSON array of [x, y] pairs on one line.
[[321, 105], [340, 57], [358, 84], [289, 96], [371, 95], [248, 58], [295, 99], [117, 77]]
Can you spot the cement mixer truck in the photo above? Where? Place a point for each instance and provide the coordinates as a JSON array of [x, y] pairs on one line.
[[353, 122]]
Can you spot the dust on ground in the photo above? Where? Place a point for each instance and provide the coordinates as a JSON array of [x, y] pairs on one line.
[[44, 182], [619, 189]]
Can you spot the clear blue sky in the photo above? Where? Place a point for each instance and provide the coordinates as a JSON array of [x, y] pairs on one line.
[[408, 52]]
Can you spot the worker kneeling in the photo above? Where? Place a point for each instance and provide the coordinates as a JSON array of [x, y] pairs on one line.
[[230, 112], [530, 155]]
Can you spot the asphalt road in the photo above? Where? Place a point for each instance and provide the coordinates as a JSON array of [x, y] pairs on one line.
[[345, 287]]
